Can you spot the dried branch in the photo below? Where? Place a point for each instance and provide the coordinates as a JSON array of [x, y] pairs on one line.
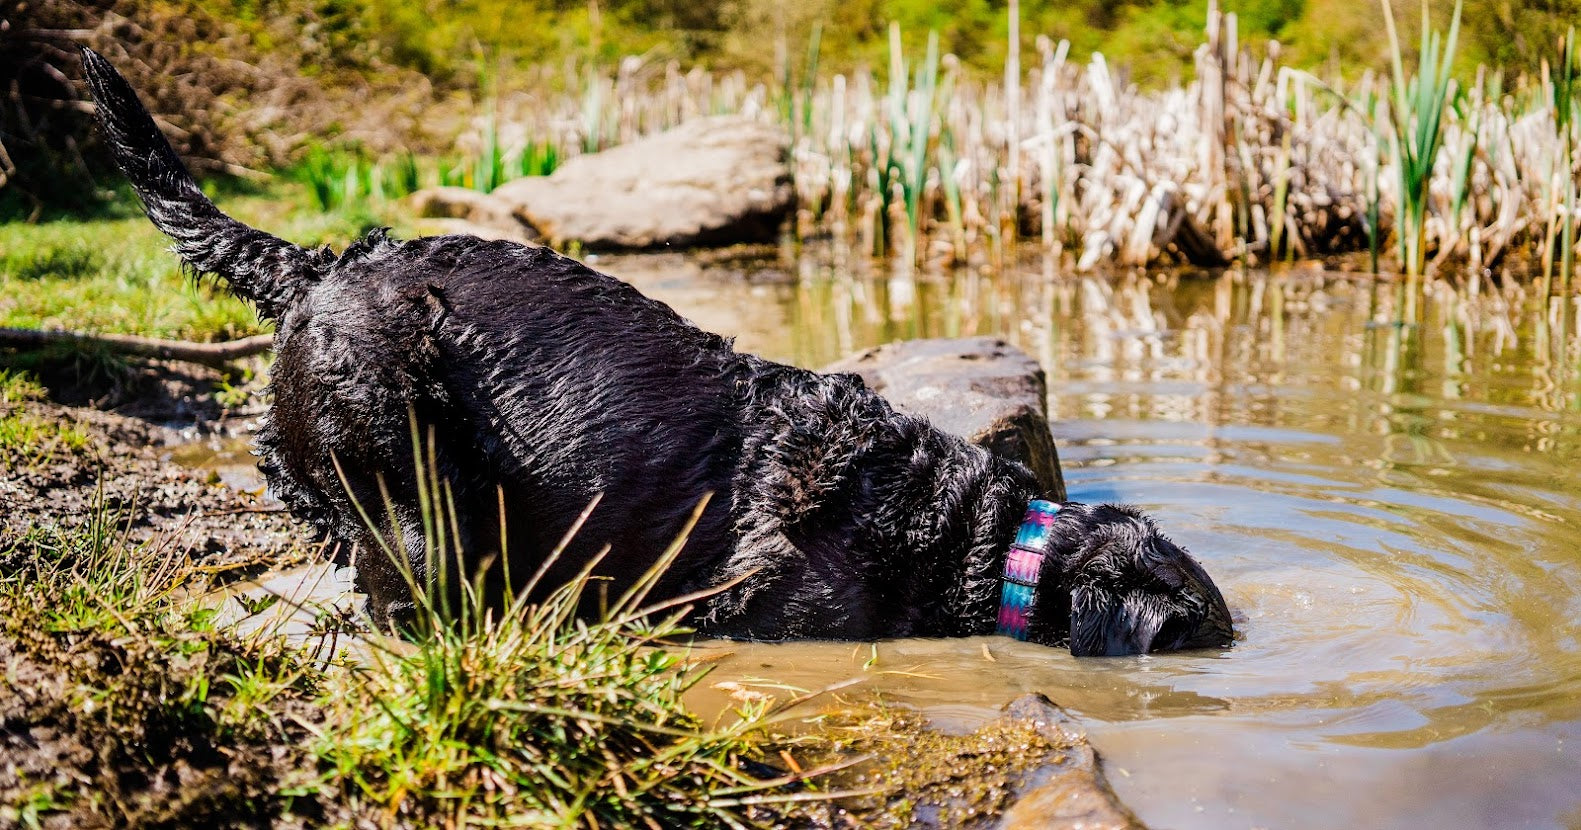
[[207, 354]]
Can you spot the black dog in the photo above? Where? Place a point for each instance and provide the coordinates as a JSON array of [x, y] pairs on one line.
[[544, 383]]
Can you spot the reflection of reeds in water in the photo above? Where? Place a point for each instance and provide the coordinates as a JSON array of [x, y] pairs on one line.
[[1309, 329], [1163, 344], [1252, 160]]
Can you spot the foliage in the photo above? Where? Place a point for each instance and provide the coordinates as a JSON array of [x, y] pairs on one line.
[[1416, 130], [116, 275]]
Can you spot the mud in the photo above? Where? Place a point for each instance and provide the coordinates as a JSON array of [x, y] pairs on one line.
[[105, 726], [127, 471], [148, 721]]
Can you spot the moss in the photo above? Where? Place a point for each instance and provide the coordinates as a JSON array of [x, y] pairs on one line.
[[913, 775]]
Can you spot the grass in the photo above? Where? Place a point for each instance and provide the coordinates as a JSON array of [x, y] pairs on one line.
[[115, 274], [27, 440], [528, 714], [535, 718]]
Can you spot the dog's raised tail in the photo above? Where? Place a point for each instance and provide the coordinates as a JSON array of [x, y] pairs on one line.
[[259, 267]]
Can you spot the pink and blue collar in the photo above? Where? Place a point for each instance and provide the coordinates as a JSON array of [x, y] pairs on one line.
[[1023, 564]]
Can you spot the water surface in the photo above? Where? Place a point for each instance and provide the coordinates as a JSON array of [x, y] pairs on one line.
[[1390, 509]]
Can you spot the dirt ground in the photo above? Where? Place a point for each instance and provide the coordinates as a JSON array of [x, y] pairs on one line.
[[127, 470], [123, 724], [101, 711]]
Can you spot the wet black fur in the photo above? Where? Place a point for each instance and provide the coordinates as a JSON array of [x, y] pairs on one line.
[[544, 383]]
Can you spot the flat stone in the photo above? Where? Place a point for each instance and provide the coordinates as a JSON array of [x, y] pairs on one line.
[[481, 209], [1068, 791], [980, 388], [710, 181], [465, 227]]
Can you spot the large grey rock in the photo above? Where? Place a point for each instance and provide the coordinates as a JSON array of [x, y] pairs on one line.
[[1066, 791], [710, 181], [980, 388]]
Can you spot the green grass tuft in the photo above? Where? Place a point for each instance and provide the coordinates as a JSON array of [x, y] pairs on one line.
[[27, 440]]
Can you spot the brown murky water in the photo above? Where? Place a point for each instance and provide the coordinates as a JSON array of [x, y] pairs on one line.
[[1394, 513], [1391, 510]]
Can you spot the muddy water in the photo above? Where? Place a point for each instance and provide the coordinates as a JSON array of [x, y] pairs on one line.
[[1393, 511]]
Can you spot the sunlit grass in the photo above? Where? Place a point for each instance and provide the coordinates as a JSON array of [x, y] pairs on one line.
[[28, 440], [117, 275]]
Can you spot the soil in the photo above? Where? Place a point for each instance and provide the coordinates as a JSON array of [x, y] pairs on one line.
[[127, 470], [93, 728], [97, 711]]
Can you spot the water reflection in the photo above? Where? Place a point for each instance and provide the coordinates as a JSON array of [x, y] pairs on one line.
[[1389, 505], [1385, 493]]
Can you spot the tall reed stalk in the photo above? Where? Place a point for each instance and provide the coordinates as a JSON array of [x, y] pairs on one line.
[[1416, 121], [1562, 91]]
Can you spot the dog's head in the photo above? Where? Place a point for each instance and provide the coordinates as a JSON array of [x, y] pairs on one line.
[[1111, 584]]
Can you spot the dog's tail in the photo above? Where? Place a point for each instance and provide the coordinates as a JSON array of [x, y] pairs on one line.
[[259, 267]]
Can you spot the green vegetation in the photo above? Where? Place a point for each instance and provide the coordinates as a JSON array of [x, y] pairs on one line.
[[529, 714], [1416, 131], [27, 440], [116, 275], [340, 178], [1155, 38]]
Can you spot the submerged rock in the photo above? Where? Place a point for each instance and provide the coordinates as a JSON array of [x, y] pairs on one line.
[[1066, 791], [710, 181], [980, 388], [1031, 768]]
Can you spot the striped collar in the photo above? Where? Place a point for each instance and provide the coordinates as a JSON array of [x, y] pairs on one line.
[[1022, 565]]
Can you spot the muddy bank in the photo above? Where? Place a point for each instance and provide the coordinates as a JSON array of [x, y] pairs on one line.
[[124, 708], [112, 710], [123, 472]]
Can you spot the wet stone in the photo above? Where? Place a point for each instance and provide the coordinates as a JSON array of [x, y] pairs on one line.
[[980, 388], [1067, 791]]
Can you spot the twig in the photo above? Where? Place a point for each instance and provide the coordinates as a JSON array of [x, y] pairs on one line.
[[207, 354]]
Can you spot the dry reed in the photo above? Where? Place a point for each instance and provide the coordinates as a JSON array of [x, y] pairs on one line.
[[1252, 161]]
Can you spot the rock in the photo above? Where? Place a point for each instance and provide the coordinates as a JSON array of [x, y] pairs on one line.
[[465, 227], [1068, 791], [980, 388], [478, 209], [710, 181]]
